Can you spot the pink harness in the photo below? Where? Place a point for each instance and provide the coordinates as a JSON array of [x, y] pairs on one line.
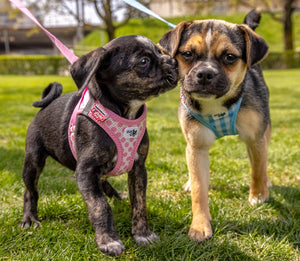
[[126, 134]]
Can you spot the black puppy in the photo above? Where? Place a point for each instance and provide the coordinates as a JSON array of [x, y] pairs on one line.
[[122, 76]]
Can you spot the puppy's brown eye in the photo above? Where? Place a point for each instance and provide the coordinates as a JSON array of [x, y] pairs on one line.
[[144, 62], [230, 58], [187, 55]]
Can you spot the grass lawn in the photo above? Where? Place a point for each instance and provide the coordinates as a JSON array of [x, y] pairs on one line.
[[269, 231]]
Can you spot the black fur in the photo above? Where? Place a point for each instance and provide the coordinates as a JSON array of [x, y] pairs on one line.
[[53, 91], [122, 75], [252, 19]]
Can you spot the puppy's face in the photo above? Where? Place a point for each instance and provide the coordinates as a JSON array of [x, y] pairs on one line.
[[213, 56], [128, 68]]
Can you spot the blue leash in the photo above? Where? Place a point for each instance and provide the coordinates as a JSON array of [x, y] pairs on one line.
[[144, 9]]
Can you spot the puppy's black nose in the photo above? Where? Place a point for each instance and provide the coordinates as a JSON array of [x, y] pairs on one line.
[[205, 76]]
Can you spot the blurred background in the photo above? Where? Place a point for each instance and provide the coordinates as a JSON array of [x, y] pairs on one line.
[[84, 25]]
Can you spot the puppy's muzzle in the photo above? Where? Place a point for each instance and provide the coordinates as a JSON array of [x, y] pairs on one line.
[[205, 80], [172, 77], [169, 66]]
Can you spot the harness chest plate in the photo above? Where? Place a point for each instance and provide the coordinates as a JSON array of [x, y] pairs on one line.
[[221, 124], [126, 134]]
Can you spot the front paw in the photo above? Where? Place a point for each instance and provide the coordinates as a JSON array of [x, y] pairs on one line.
[[110, 247], [28, 220], [200, 234], [146, 240], [258, 199], [257, 196]]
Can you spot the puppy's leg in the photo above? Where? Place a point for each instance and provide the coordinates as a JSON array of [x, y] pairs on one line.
[[258, 154], [137, 185], [33, 166], [198, 164], [110, 191], [100, 213]]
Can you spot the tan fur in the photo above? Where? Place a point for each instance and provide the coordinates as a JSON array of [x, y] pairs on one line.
[[183, 67], [218, 44], [249, 125], [196, 42], [199, 138]]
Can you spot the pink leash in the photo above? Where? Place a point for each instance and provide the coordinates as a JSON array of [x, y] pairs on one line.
[[71, 57]]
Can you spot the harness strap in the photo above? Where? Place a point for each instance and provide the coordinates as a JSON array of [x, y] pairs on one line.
[[126, 134], [222, 124]]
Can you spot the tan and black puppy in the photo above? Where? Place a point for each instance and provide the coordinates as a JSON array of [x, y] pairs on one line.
[[222, 92], [122, 76]]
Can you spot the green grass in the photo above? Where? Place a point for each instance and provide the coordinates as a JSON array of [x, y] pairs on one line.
[[270, 29], [269, 231]]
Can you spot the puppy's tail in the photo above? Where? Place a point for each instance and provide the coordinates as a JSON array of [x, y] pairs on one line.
[[252, 19], [52, 92]]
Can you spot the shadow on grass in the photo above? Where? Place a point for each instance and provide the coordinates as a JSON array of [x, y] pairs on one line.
[[227, 243], [282, 225], [64, 207], [175, 244], [286, 200]]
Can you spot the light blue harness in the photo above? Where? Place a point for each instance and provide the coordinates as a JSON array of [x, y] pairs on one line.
[[220, 124]]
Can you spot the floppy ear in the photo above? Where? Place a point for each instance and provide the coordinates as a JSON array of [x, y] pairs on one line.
[[86, 66], [170, 41], [256, 47]]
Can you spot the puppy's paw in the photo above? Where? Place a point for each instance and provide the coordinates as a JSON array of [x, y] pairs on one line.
[[26, 222], [113, 248], [187, 186], [258, 199], [147, 240], [199, 235], [257, 196], [259, 191]]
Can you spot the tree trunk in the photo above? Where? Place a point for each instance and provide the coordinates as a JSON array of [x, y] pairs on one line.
[[6, 41], [105, 13], [109, 19], [79, 31], [288, 25], [110, 30]]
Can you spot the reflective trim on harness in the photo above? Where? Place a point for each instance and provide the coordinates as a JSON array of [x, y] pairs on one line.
[[126, 134], [221, 124]]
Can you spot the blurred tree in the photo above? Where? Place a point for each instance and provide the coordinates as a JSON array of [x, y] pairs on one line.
[[107, 11], [285, 17], [281, 11], [289, 8]]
